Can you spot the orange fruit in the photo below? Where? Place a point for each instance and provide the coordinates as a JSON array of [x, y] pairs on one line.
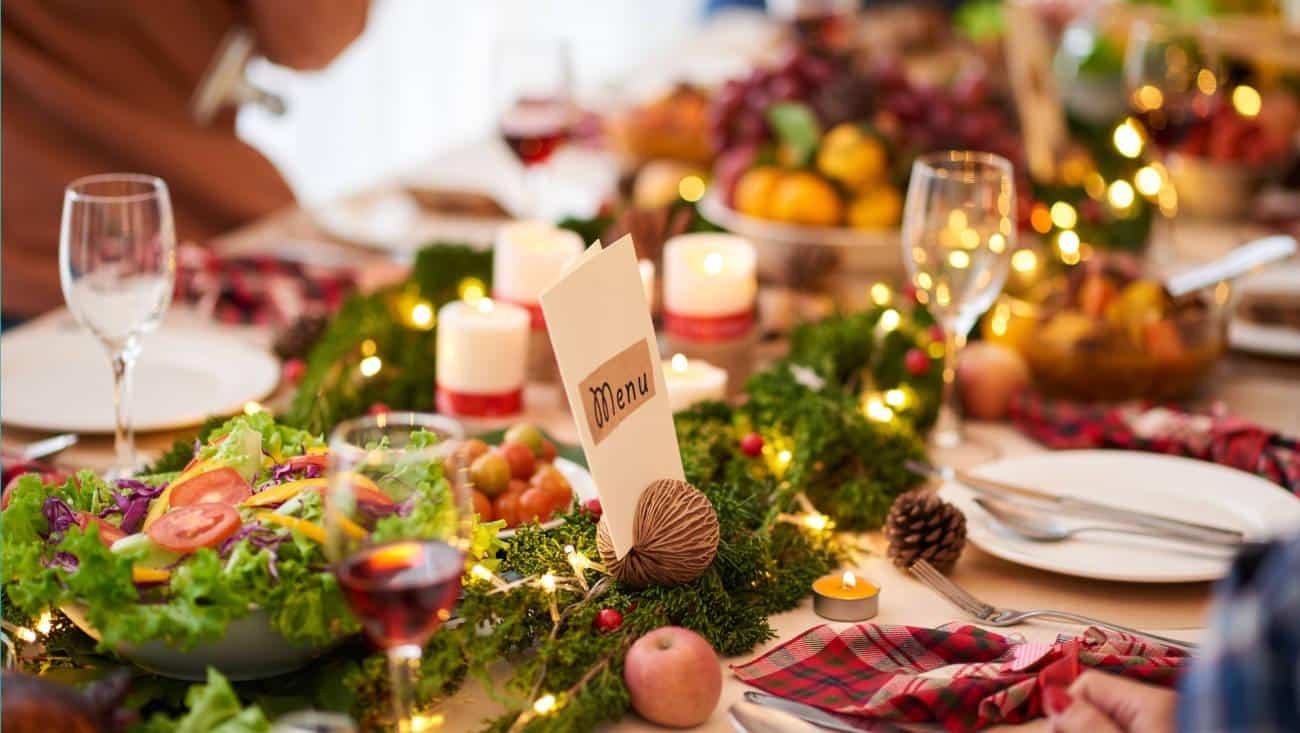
[[754, 190], [806, 198], [878, 208]]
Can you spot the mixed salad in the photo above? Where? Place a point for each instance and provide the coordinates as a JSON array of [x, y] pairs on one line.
[[176, 557]]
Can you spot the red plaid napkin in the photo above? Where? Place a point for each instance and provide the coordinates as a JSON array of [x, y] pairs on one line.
[[964, 678], [263, 290], [1210, 436]]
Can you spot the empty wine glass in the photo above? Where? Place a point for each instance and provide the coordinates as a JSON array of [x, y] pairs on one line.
[[117, 265], [958, 234], [533, 78], [398, 533]]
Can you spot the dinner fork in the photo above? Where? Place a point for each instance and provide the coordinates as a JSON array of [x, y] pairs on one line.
[[993, 616]]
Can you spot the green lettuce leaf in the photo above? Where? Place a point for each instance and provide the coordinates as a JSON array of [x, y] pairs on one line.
[[213, 708]]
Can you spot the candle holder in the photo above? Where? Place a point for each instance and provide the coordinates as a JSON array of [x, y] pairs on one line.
[[528, 257], [845, 597], [710, 294], [482, 352]]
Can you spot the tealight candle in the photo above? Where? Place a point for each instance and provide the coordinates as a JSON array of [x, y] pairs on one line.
[[528, 257], [482, 356], [692, 380], [845, 597], [648, 282], [710, 287]]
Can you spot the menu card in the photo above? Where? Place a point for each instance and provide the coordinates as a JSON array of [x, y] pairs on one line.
[[605, 344]]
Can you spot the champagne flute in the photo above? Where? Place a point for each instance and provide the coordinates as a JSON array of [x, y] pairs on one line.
[[958, 233], [398, 534], [534, 80], [117, 266]]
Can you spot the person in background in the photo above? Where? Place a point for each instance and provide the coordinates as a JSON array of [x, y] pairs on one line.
[[1246, 678], [98, 87]]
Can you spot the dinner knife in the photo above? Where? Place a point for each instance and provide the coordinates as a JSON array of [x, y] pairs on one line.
[[1083, 507], [814, 715]]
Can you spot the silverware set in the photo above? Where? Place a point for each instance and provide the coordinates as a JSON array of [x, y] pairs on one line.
[[1034, 514], [991, 615]]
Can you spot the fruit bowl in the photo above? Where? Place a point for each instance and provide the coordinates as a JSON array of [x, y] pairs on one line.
[[1214, 189], [868, 251], [249, 650], [1105, 337]]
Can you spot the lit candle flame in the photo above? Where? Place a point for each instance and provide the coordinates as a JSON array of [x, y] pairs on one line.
[[484, 305], [713, 263], [849, 580], [679, 363]]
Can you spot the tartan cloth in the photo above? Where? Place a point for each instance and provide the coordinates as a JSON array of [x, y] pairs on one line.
[[960, 676], [1209, 436], [258, 289]]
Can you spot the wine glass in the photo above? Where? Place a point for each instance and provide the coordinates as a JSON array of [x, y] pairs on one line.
[[533, 78], [117, 266], [1173, 81], [958, 234], [398, 533]]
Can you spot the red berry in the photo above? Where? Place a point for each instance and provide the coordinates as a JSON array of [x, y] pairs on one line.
[[379, 408], [608, 620], [936, 333], [916, 362], [293, 370], [592, 507], [752, 445]]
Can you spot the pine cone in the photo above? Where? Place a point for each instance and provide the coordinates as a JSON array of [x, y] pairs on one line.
[[297, 340], [921, 526]]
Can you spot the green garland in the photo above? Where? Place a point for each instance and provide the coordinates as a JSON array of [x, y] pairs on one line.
[[819, 443]]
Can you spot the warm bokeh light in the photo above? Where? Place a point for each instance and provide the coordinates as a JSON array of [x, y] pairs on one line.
[[691, 188], [881, 294], [889, 319], [875, 409], [1063, 215], [997, 242], [1040, 218], [1148, 181], [1127, 138], [680, 363], [471, 289], [1206, 82], [959, 259], [1246, 100], [1148, 97], [1120, 194], [370, 366], [422, 315], [1024, 261]]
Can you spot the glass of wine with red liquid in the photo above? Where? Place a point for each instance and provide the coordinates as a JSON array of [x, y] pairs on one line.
[[534, 79], [398, 534], [1173, 80]]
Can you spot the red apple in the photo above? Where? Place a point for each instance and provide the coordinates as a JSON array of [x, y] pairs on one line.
[[673, 676]]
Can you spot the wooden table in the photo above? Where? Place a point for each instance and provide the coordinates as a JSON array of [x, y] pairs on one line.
[[1266, 391]]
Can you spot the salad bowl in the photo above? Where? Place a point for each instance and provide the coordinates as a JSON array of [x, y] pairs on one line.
[[250, 650]]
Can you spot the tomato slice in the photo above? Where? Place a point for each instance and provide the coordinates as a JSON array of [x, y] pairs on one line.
[[108, 533], [222, 486], [187, 528], [319, 460]]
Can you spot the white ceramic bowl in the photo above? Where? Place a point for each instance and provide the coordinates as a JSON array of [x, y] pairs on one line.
[[250, 650]]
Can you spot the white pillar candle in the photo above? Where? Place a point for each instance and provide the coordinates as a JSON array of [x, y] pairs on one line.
[[648, 282], [709, 275], [482, 347], [529, 256], [692, 380]]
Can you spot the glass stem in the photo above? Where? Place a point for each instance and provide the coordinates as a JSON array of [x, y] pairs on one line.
[[403, 671], [947, 430], [123, 360]]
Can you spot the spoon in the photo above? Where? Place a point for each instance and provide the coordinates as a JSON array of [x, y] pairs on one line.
[[1040, 527], [1236, 263]]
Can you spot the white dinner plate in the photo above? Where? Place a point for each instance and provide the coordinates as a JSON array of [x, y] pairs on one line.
[[394, 223], [1178, 488], [59, 379], [580, 480]]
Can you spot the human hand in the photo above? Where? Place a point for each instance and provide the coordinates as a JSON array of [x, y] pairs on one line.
[[1104, 703]]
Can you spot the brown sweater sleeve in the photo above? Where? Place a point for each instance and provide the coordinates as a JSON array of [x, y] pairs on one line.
[[306, 34]]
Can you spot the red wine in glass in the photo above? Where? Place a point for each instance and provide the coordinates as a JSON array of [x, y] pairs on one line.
[[534, 128], [1169, 124], [402, 591]]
